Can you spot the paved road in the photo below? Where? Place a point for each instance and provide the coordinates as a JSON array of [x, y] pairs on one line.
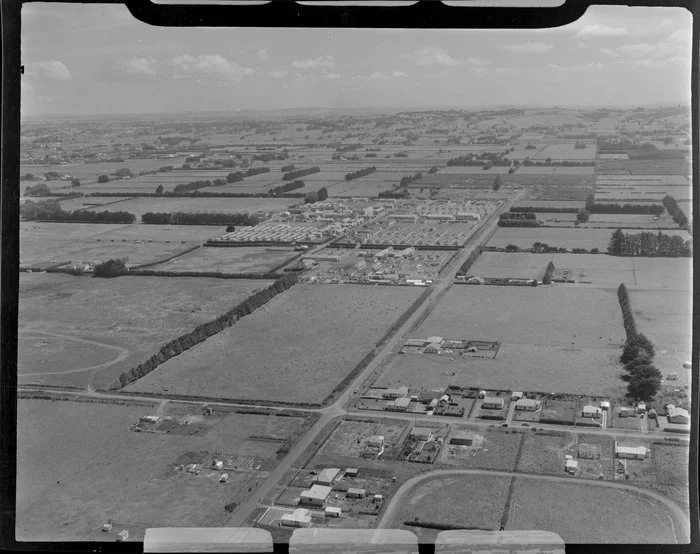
[[680, 520]]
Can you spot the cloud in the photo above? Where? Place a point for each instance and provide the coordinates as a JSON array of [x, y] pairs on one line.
[[527, 48], [262, 54], [554, 68], [679, 36], [437, 55], [399, 75], [377, 76], [326, 61], [641, 49], [331, 76], [612, 52], [278, 74], [213, 65], [139, 66], [51, 70], [597, 31]]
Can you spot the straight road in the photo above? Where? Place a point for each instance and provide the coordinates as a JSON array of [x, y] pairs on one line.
[[681, 523]]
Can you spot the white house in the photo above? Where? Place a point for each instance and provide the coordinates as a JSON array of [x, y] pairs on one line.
[[493, 403], [678, 415], [631, 452], [527, 405], [591, 411], [571, 466], [298, 518], [516, 395], [315, 496]]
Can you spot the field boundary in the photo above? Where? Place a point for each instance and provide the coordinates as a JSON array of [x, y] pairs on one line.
[[216, 274], [187, 251]]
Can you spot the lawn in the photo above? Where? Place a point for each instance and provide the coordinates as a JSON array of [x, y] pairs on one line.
[[244, 259], [480, 500], [288, 350], [76, 329], [51, 243], [544, 452], [585, 513], [80, 465]]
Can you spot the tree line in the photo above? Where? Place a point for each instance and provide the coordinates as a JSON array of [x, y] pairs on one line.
[[645, 209], [649, 244], [677, 214], [50, 211], [408, 179], [185, 194], [300, 173], [202, 332], [281, 189], [236, 176], [544, 210], [360, 173], [185, 218], [643, 378]]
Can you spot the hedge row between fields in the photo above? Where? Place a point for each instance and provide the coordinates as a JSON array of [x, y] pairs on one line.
[[627, 316], [202, 332]]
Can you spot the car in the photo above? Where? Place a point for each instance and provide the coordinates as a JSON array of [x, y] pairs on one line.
[[526, 425], [504, 425]]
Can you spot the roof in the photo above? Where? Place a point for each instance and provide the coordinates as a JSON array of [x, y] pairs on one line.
[[571, 463], [421, 431], [527, 402], [334, 509], [356, 491], [320, 492], [493, 399], [351, 470], [405, 401], [591, 408], [674, 412], [631, 450], [328, 474]]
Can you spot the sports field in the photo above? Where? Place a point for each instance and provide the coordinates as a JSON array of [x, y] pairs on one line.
[[289, 350]]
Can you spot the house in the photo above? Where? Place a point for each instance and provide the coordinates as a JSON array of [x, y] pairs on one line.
[[493, 403], [376, 441], [516, 395], [356, 493], [462, 438], [223, 478], [315, 496], [631, 452], [421, 433], [378, 498], [399, 392], [678, 415], [605, 405], [687, 364], [591, 411], [527, 405], [571, 466], [107, 527], [398, 405], [217, 464], [351, 472], [444, 400], [482, 394], [432, 348], [327, 476], [298, 518], [333, 511]]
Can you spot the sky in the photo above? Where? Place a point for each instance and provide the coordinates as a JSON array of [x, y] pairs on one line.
[[98, 59]]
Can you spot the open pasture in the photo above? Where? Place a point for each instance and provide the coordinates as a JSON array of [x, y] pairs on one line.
[[80, 465], [287, 350], [566, 151], [549, 204], [599, 514], [245, 259], [655, 181], [74, 329], [646, 167], [525, 237], [510, 264], [48, 244], [358, 187], [631, 221]]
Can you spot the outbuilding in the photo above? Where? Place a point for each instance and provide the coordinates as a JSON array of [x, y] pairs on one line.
[[333, 511], [493, 403], [315, 496], [482, 394], [605, 405], [516, 395], [327, 475], [462, 438], [351, 472], [356, 493], [641, 408]]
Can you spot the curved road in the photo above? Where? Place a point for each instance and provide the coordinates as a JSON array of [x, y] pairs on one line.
[[681, 523]]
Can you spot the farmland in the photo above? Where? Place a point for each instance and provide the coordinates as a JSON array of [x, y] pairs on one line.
[[75, 330], [66, 490], [245, 259], [514, 265], [288, 350]]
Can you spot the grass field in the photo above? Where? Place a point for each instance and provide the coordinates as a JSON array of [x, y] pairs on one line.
[[494, 448], [289, 350], [598, 514], [480, 499], [544, 453], [510, 264], [646, 167], [671, 463], [80, 465], [77, 329], [51, 243], [242, 259]]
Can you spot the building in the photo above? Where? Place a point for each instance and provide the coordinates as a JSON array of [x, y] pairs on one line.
[[398, 405], [315, 496], [516, 395], [591, 411], [420, 343], [672, 377], [678, 415], [462, 438], [217, 464], [527, 405], [327, 476], [467, 216], [298, 518], [351, 472], [356, 493], [605, 405], [641, 408], [421, 433], [444, 400], [149, 419], [376, 441], [493, 403], [432, 348], [631, 452], [571, 466], [399, 392], [482, 394], [626, 412], [333, 511]]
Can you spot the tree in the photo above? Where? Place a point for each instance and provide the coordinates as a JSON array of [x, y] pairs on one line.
[[159, 189], [433, 169], [311, 197], [616, 241], [40, 189], [322, 194], [497, 183], [110, 268], [123, 172], [583, 216], [103, 179], [644, 382]]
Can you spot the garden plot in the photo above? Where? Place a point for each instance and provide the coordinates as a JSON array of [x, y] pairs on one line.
[[288, 350], [599, 514], [245, 259], [75, 330], [47, 244], [510, 265]]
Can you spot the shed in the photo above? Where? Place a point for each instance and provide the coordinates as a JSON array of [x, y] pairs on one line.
[[356, 493], [315, 496], [333, 511], [223, 478], [327, 476], [493, 403], [376, 441], [516, 395], [591, 411], [678, 415], [571, 466], [421, 433], [444, 400], [398, 405], [107, 527], [217, 464], [351, 472], [378, 498]]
